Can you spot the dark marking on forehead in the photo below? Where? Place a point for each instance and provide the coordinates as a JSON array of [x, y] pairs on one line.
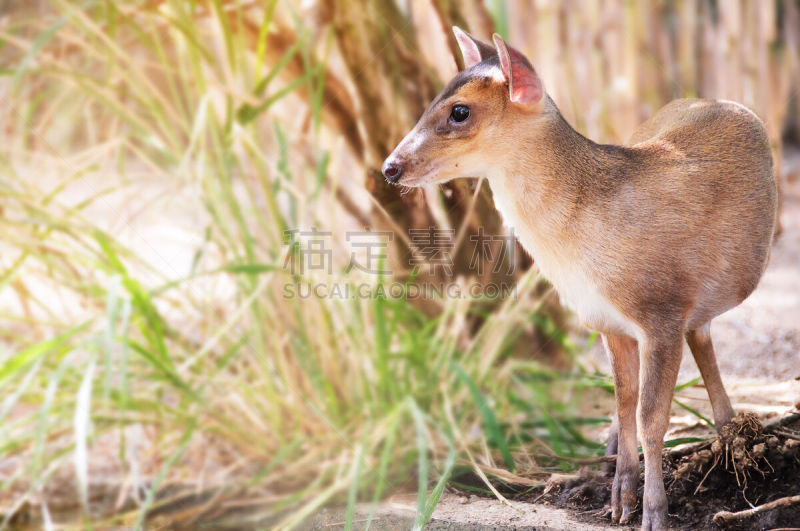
[[480, 73], [455, 84]]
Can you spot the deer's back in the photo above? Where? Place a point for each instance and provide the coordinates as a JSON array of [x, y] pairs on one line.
[[710, 129], [693, 215]]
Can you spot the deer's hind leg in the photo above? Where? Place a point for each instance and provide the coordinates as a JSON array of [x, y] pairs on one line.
[[612, 445], [699, 341]]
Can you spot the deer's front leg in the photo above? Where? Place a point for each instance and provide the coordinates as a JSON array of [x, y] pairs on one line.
[[660, 360], [624, 356]]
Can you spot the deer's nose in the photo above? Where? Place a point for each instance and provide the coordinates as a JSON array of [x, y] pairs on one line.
[[392, 171]]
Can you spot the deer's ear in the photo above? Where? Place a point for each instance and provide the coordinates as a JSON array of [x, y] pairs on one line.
[[524, 85], [473, 50]]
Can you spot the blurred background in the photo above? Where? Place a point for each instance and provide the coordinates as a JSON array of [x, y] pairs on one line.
[[164, 163]]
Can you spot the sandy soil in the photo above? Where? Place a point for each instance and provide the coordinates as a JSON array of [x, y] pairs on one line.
[[461, 513]]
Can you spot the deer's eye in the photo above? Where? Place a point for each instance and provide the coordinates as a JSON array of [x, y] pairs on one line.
[[459, 113]]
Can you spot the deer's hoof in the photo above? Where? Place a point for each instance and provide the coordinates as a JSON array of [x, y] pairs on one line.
[[623, 493], [654, 513]]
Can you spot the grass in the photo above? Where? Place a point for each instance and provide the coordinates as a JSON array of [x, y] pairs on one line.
[[302, 401], [200, 373]]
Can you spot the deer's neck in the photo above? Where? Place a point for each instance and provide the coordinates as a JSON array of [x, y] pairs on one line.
[[552, 176], [552, 190]]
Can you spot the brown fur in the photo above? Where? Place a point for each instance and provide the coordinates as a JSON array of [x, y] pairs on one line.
[[650, 241], [676, 226]]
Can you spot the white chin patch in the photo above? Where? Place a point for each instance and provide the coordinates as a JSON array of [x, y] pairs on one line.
[[430, 188]]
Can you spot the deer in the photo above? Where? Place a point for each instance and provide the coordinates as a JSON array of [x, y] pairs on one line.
[[645, 242]]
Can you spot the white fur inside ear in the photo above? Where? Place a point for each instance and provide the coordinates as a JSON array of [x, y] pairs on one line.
[[502, 54], [469, 50], [524, 85]]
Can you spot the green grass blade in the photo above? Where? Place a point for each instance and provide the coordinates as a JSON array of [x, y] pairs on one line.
[[82, 426], [41, 41], [436, 493], [694, 412], [671, 443], [386, 456], [112, 309], [58, 344], [352, 494], [162, 474], [690, 383], [422, 462], [490, 424]]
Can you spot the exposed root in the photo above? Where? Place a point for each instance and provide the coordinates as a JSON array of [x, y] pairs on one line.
[[706, 476], [725, 518]]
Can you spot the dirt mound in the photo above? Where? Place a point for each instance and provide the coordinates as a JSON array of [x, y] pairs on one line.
[[746, 466]]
